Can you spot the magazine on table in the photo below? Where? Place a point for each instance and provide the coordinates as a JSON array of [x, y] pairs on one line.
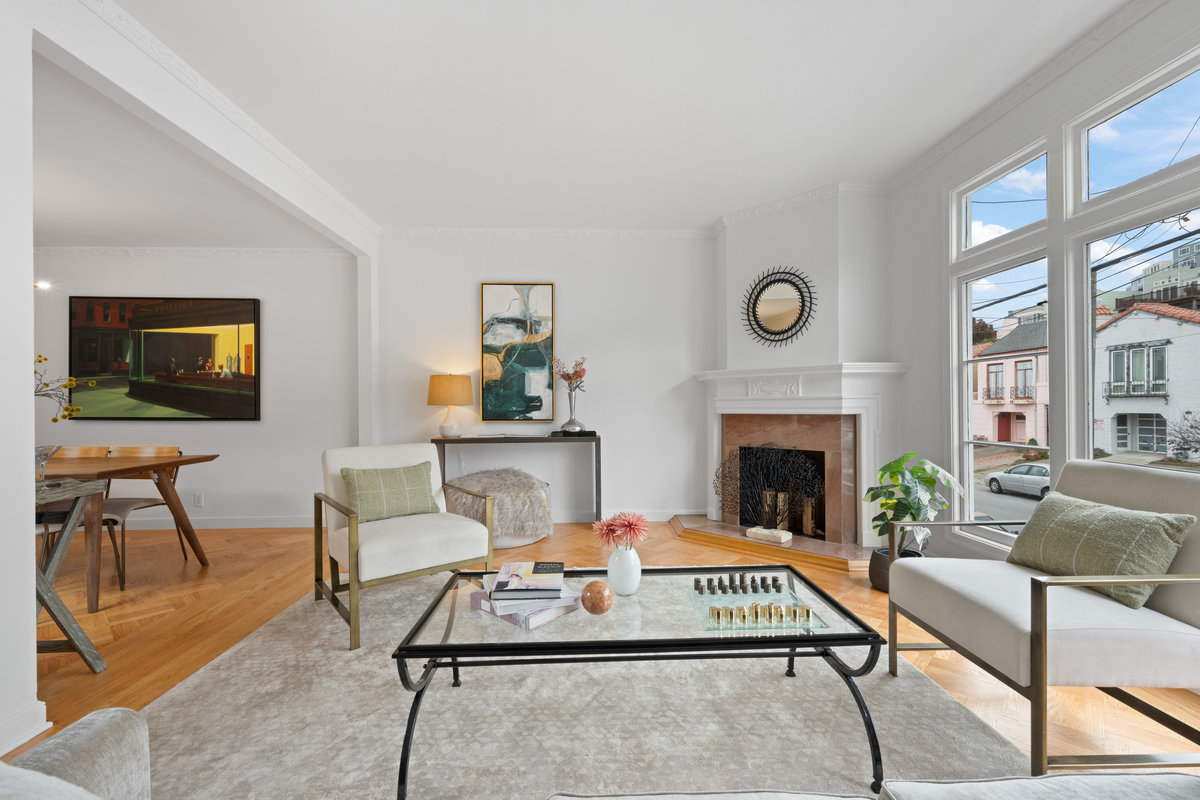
[[523, 603], [526, 580], [527, 620]]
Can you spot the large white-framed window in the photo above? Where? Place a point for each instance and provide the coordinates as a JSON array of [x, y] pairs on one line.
[[1004, 428], [1098, 245]]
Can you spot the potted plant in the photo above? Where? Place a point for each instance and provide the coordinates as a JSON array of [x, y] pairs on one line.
[[907, 492]]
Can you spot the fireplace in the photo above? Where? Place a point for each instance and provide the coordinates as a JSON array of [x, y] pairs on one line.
[[792, 453], [839, 410], [775, 487]]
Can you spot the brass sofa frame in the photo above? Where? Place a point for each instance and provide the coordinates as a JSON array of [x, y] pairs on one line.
[[329, 590], [1036, 693]]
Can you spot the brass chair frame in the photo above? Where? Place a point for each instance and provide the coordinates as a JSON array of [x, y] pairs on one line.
[[1040, 762], [330, 589]]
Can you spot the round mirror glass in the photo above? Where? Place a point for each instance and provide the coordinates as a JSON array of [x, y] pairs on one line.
[[779, 306]]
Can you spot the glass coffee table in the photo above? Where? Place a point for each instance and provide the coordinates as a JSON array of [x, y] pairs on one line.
[[763, 612]]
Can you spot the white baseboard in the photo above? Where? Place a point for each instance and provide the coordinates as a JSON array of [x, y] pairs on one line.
[[651, 515], [22, 725]]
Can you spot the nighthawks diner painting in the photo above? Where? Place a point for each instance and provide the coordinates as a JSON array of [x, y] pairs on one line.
[[165, 358], [517, 351]]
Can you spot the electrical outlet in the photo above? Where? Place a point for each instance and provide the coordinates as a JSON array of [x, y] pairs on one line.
[[198, 499]]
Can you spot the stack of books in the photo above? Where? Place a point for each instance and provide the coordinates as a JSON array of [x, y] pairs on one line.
[[526, 593]]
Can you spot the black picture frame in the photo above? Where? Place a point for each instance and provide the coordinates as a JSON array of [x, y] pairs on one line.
[[165, 358]]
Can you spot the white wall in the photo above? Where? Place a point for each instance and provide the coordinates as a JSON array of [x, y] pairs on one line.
[[636, 304], [835, 236], [21, 714], [801, 236], [121, 56], [307, 362]]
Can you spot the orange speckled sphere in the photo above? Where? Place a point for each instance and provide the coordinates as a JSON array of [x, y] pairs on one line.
[[597, 597]]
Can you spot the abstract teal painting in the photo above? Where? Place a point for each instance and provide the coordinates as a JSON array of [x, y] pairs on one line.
[[517, 380]]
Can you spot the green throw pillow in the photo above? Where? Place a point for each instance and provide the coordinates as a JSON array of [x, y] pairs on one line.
[[1069, 536], [395, 492]]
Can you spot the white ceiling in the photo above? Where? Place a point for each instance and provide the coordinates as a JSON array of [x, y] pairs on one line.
[[656, 114], [103, 177]]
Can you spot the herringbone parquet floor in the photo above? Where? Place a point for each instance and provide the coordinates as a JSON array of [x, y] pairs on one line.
[[174, 617]]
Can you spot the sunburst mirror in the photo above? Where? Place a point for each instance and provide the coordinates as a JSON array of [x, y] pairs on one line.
[[778, 306]]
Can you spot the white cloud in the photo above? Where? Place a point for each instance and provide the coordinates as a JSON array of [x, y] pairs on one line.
[[1104, 133], [1026, 180], [982, 286], [984, 231]]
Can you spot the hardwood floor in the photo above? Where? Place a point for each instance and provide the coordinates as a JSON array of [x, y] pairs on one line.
[[175, 617]]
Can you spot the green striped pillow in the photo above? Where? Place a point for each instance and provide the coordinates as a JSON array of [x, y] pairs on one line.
[[394, 492], [1069, 536]]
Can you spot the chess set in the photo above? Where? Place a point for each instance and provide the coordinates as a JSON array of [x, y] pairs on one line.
[[748, 602]]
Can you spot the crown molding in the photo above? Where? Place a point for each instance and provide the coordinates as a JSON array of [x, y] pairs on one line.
[[551, 233], [120, 21], [766, 209], [195, 252], [1087, 45]]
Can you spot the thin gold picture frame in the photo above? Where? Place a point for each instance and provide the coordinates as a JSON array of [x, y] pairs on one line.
[[516, 351]]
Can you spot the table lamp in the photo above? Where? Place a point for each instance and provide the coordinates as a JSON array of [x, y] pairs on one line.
[[450, 391]]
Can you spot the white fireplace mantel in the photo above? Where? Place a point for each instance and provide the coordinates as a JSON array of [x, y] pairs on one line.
[[858, 389]]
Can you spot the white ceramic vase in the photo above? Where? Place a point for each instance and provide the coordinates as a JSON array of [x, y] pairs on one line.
[[624, 570]]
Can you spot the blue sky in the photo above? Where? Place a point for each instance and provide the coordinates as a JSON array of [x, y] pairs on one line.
[[1152, 135], [1158, 132]]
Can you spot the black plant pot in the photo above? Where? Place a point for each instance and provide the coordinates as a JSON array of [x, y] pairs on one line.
[[877, 570]]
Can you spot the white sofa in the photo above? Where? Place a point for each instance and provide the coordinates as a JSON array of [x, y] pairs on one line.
[[104, 755], [1003, 617]]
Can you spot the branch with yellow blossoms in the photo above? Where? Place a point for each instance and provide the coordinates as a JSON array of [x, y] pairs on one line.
[[57, 389]]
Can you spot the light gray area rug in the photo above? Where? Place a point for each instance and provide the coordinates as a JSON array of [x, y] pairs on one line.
[[289, 712]]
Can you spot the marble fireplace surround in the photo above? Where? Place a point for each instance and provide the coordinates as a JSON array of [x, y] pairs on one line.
[[841, 409]]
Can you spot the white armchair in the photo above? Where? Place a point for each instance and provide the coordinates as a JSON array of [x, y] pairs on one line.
[[395, 547]]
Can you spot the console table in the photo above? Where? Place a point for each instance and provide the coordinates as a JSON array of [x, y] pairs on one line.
[[441, 441]]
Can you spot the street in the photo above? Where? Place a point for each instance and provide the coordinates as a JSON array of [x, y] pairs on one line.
[[1003, 506]]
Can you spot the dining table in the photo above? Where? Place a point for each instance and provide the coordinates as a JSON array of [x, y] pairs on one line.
[[160, 469]]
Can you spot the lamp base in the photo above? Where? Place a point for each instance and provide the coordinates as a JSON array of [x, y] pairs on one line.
[[450, 431]]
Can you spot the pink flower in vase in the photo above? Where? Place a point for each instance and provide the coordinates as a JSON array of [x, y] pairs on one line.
[[623, 530], [606, 532]]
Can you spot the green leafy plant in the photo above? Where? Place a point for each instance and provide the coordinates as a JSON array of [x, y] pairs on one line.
[[908, 492]]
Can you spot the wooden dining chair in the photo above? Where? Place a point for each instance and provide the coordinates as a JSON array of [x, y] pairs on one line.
[[117, 507], [50, 514]]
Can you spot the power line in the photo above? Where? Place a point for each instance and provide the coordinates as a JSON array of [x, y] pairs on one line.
[[1185, 140]]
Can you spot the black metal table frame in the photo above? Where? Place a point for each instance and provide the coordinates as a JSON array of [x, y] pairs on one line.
[[458, 656]]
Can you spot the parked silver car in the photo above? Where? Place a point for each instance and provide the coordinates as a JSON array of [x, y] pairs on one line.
[[1032, 479]]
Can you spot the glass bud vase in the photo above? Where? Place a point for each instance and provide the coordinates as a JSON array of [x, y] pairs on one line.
[[624, 570], [572, 425]]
